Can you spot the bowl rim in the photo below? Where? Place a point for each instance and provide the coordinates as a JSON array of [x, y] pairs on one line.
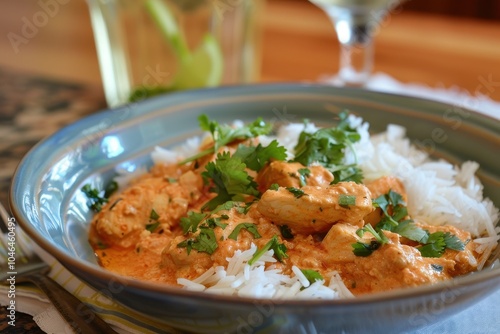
[[483, 276]]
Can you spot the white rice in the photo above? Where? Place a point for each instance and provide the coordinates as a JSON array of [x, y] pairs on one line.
[[259, 281], [438, 193]]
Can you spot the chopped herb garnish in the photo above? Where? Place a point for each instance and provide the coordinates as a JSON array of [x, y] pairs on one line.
[[380, 237], [362, 249], [346, 201], [216, 222], [225, 134], [437, 242], [327, 147], [432, 245], [205, 242], [304, 173], [286, 232], [154, 215], [312, 275], [256, 157], [279, 251], [274, 187], [191, 222], [95, 200], [298, 193], [252, 228], [410, 230], [230, 180], [394, 200], [110, 189], [152, 227]]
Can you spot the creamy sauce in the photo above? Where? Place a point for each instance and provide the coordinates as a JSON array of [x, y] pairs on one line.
[[129, 239]]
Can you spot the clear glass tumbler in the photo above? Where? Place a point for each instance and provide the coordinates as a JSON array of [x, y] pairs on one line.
[[147, 47]]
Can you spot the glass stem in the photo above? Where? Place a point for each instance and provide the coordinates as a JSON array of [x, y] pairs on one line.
[[354, 32], [356, 63]]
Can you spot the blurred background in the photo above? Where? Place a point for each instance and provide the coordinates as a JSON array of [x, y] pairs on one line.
[[437, 43]]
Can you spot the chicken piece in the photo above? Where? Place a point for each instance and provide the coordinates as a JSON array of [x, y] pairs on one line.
[[380, 187], [286, 174], [338, 243], [465, 261], [393, 265], [123, 220], [317, 208]]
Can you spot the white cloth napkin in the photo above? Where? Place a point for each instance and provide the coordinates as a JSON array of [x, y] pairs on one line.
[[30, 300], [33, 302]]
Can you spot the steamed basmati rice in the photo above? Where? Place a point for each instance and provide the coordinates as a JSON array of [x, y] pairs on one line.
[[438, 193]]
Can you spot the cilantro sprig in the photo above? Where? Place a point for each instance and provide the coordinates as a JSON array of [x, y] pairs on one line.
[[252, 228], [327, 147], [312, 275], [153, 221], [229, 179], [395, 220], [224, 134], [363, 249], [256, 157], [98, 198], [274, 244]]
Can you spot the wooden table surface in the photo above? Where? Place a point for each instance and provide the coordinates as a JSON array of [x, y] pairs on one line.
[[298, 44]]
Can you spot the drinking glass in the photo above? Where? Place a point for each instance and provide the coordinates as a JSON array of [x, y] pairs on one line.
[[149, 47], [355, 23]]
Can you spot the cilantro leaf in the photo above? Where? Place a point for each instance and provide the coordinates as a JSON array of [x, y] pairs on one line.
[[279, 250], [256, 157], [347, 200], [437, 242], [380, 237], [216, 222], [346, 173], [312, 275], [362, 249], [252, 228], [274, 186], [304, 173], [225, 134], [327, 147], [153, 226], [298, 193], [154, 215], [191, 222], [230, 180], [384, 202], [409, 230], [453, 242], [97, 198], [435, 245], [205, 242]]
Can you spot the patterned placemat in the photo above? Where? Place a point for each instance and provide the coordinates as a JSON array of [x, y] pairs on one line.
[[33, 107]]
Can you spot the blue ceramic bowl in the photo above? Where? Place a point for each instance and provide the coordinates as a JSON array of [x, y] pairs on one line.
[[50, 207]]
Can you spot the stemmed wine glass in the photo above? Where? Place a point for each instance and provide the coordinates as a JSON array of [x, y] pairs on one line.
[[355, 23]]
